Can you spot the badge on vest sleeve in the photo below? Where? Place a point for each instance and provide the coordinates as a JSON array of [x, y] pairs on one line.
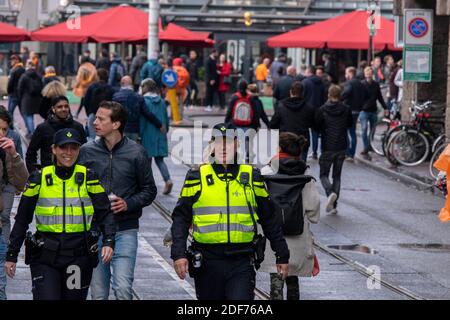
[[209, 180]]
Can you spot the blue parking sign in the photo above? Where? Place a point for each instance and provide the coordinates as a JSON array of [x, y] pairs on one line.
[[169, 78]]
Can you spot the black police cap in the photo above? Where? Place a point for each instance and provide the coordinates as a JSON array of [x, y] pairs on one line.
[[224, 130], [65, 136]]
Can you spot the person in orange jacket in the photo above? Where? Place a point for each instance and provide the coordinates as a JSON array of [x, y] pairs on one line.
[[443, 164]]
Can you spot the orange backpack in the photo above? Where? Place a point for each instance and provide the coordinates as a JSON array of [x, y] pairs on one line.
[[183, 77]]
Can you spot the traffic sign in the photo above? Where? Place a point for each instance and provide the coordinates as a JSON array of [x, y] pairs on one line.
[[169, 78], [417, 64], [418, 27]]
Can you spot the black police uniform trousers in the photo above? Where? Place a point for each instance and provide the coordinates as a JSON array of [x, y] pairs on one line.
[[68, 278], [226, 279]]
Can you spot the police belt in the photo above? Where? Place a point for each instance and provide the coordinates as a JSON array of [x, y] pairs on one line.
[[77, 252]]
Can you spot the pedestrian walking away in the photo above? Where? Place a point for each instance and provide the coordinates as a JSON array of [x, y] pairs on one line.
[[334, 119], [70, 209], [154, 132], [294, 115], [222, 257], [211, 80], [299, 210], [126, 174]]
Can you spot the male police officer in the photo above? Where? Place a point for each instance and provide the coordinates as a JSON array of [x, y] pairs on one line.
[[223, 201]]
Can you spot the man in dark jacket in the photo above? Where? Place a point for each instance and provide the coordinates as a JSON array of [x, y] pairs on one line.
[[135, 106], [136, 66], [96, 93], [116, 71], [294, 115], [315, 97], [283, 86], [126, 174], [17, 70], [369, 113], [153, 70], [30, 96], [355, 96], [333, 119], [42, 139], [103, 62], [211, 79], [192, 66]]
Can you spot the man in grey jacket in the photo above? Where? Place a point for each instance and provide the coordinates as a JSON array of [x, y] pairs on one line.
[[125, 173]]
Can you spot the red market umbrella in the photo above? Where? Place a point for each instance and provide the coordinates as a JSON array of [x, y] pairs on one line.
[[9, 33], [119, 24], [348, 31]]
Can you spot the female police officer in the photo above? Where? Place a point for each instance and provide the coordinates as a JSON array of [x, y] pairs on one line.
[[70, 206], [223, 201]]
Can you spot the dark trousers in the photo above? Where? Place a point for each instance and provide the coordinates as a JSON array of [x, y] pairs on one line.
[[192, 97], [227, 279], [222, 99], [61, 281], [315, 140], [210, 92], [327, 160]]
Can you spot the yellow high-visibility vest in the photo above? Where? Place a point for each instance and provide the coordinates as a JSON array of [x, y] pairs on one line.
[[221, 215], [58, 208]]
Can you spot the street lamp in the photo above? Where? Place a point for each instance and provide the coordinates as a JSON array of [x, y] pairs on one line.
[[372, 9]]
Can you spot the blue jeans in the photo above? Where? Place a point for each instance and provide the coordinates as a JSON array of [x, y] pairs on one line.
[[367, 118], [12, 104], [8, 200], [352, 139], [315, 140], [3, 249], [90, 124], [162, 167], [122, 267], [29, 123]]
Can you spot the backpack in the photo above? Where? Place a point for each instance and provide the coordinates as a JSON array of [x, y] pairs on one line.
[[36, 86], [242, 113], [183, 77], [286, 194]]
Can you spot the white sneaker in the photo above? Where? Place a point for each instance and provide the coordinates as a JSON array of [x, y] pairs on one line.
[[333, 211], [331, 201], [209, 109]]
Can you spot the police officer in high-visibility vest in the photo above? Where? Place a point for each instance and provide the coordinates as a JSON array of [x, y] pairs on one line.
[[70, 209], [224, 201]]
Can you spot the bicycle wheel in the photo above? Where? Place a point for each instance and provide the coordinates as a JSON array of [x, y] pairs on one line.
[[433, 171], [409, 147], [392, 130], [377, 137]]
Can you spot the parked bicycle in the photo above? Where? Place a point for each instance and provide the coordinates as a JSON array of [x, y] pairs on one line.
[[436, 150], [411, 145]]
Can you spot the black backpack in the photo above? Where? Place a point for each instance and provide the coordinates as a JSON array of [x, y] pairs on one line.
[[286, 194]]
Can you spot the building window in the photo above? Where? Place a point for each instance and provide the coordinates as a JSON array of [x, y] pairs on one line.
[[44, 6]]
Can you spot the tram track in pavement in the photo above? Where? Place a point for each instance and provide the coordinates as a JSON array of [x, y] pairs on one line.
[[355, 265]]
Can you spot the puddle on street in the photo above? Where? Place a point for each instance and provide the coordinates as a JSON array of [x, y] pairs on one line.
[[354, 248], [426, 246]]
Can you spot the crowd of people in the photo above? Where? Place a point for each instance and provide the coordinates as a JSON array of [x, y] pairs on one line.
[[109, 162]]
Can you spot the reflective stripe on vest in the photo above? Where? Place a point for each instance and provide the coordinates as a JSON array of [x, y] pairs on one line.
[[210, 214], [61, 201]]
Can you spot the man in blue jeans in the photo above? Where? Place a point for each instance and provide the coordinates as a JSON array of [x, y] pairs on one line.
[[125, 172], [16, 72], [355, 96], [369, 113]]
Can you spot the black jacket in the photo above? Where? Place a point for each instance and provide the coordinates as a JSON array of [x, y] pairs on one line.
[[47, 80], [211, 71], [42, 139], [182, 219], [293, 115], [29, 92], [333, 119], [283, 88], [355, 95], [96, 93], [13, 81], [102, 220], [103, 63], [374, 92], [314, 91], [258, 112], [125, 171]]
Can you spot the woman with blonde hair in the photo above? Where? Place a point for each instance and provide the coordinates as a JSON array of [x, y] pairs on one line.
[[86, 75], [52, 89]]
